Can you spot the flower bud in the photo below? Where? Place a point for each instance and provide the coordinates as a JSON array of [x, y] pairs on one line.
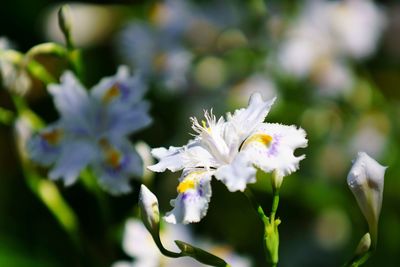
[[149, 210], [65, 21], [277, 179], [365, 180], [364, 245]]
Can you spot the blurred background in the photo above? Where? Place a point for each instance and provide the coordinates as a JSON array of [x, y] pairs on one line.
[[334, 66]]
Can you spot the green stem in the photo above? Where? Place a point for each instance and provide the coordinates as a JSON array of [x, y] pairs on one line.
[[275, 203], [163, 250], [90, 183]]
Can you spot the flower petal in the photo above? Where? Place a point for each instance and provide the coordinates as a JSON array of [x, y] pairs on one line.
[[119, 162], [74, 157], [245, 120], [170, 158], [124, 120], [271, 147], [122, 88], [45, 147], [71, 100], [176, 158], [238, 174], [194, 195]]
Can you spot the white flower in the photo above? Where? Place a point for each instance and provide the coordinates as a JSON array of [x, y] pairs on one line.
[[149, 210], [230, 149], [93, 129], [13, 73], [366, 179], [258, 82], [324, 36], [138, 243], [356, 26]]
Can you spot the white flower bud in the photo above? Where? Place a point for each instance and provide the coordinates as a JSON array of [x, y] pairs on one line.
[[149, 210], [365, 180]]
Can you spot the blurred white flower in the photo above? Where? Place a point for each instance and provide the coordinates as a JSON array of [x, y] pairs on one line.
[[356, 26], [324, 36], [13, 74], [228, 149], [144, 152], [366, 180], [91, 24], [138, 243], [332, 78], [370, 139], [258, 82], [93, 129], [5, 43]]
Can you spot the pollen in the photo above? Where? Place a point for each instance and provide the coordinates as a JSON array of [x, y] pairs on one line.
[[204, 124], [185, 185], [261, 138], [111, 93], [53, 137]]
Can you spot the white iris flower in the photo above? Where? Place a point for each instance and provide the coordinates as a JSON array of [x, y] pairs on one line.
[[230, 149], [93, 131]]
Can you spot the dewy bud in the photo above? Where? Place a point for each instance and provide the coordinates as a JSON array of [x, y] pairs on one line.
[[149, 210], [365, 180]]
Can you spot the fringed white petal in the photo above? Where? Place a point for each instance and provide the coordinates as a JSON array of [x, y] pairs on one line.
[[191, 205], [271, 147], [170, 159], [247, 119]]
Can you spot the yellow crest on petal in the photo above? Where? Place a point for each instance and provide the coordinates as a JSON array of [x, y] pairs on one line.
[[185, 185], [190, 182], [111, 93], [52, 137], [261, 138], [113, 157]]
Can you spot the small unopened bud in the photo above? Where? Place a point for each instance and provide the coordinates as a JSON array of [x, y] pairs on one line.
[[364, 245], [65, 23], [149, 210], [366, 179], [277, 179]]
